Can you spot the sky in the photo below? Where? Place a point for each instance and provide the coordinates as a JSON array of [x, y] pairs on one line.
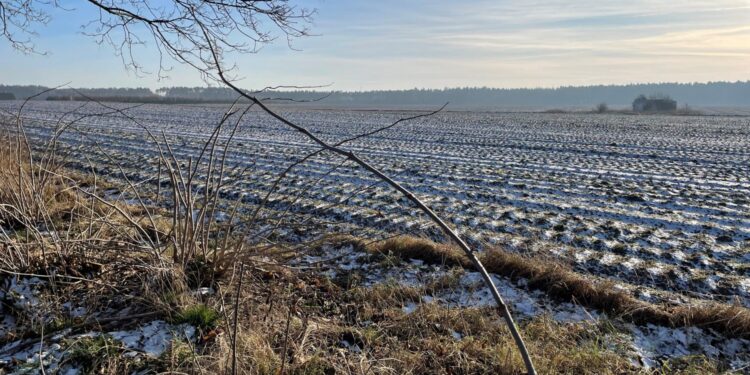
[[400, 44]]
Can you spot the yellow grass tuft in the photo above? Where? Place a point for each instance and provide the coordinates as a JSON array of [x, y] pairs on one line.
[[562, 283]]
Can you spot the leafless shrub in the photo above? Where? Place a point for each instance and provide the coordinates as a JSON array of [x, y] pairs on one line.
[[200, 34]]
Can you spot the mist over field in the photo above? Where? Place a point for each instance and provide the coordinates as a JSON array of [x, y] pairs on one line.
[[723, 95]]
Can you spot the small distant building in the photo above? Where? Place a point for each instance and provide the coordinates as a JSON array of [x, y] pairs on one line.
[[654, 104], [7, 96]]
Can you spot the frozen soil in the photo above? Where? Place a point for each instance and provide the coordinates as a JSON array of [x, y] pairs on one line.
[[647, 346], [659, 205], [149, 341], [26, 305], [349, 300], [656, 201]]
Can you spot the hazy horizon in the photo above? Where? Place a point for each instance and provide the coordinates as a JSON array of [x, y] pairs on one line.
[[330, 88], [435, 44], [715, 94]]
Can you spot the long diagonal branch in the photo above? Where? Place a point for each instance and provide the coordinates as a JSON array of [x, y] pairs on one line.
[[450, 232]]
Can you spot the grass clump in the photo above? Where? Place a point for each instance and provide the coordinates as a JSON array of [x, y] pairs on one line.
[[422, 249], [200, 316], [181, 355], [314, 366], [92, 354], [560, 282], [691, 365]]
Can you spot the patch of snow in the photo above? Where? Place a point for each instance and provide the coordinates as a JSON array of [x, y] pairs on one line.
[[416, 262], [573, 313], [582, 256], [154, 338], [23, 291], [653, 344], [655, 270], [457, 336], [631, 263], [409, 308], [203, 292], [608, 259]]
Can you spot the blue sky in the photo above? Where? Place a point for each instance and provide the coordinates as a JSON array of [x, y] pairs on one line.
[[391, 44]]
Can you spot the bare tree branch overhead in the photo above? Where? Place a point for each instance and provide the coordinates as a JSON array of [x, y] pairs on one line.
[[174, 27], [18, 18], [206, 34]]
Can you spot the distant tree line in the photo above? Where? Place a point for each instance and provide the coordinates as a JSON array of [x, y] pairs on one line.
[[695, 94], [22, 92], [134, 99]]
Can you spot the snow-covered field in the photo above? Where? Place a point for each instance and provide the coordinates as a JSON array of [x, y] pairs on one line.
[[658, 204], [661, 203]]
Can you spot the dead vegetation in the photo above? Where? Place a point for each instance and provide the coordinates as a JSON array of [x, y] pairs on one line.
[[327, 328], [305, 323], [149, 261], [561, 282]]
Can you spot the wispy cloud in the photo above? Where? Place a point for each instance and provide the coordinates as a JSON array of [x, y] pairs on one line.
[[437, 43]]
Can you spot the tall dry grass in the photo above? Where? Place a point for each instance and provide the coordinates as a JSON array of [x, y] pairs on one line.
[[559, 281], [146, 254]]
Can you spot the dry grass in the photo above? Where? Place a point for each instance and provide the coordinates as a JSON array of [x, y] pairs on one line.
[[86, 250], [327, 321], [422, 249], [327, 328], [300, 324], [564, 284], [293, 322]]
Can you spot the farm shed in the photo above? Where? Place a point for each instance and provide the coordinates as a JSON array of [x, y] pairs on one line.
[[654, 104]]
